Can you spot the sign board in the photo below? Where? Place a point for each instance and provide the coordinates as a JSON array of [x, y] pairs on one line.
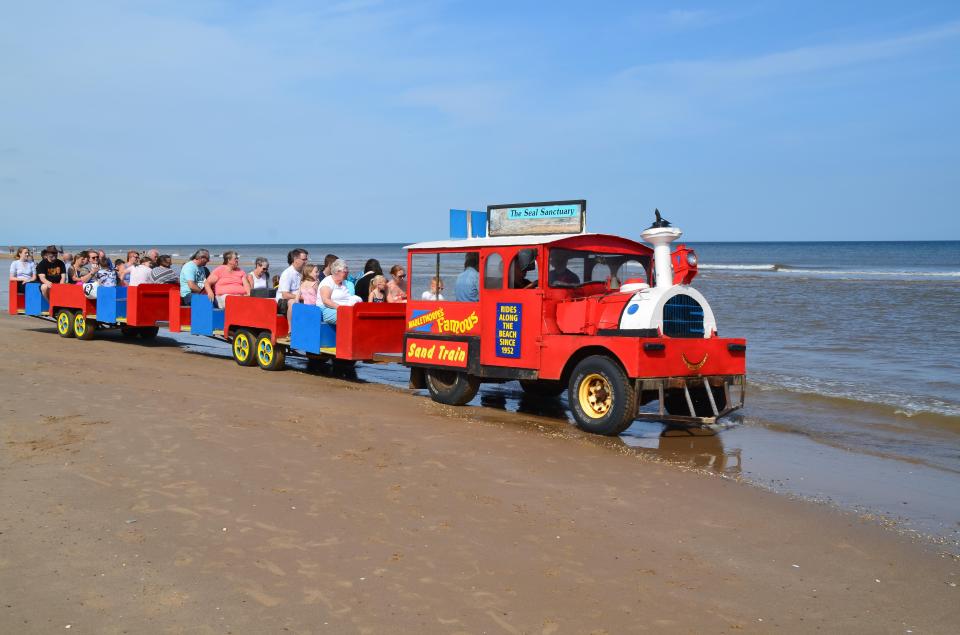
[[436, 352], [529, 219], [509, 321]]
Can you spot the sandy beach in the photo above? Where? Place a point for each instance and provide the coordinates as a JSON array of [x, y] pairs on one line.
[[148, 489]]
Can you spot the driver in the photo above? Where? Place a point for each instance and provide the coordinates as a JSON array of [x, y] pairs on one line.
[[559, 275]]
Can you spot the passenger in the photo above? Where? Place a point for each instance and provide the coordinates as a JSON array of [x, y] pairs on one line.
[[524, 263], [467, 286], [193, 274], [309, 283], [125, 268], [328, 260], [378, 290], [50, 270], [142, 272], [153, 254], [67, 259], [288, 285], [227, 279], [370, 270], [22, 270], [334, 292], [396, 287], [163, 273], [259, 278], [80, 268], [434, 294], [560, 275]]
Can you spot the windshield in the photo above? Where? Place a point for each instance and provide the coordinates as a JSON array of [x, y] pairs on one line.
[[573, 268]]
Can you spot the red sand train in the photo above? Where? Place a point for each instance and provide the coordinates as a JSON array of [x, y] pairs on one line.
[[611, 321]]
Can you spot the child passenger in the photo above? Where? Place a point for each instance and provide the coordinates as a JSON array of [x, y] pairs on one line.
[[436, 286], [378, 289], [309, 283]]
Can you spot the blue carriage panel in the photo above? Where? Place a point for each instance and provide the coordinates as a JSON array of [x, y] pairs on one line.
[[204, 318], [111, 304], [308, 332], [34, 302]]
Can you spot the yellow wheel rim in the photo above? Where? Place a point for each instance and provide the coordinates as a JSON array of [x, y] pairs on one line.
[[63, 324], [265, 351], [595, 395], [79, 324], [241, 347]]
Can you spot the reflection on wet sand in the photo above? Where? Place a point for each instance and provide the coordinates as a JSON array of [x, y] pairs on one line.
[[693, 447]]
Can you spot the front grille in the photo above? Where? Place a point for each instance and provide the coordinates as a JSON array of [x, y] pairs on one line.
[[682, 317]]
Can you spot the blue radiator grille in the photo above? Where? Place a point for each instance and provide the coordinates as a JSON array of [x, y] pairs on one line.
[[682, 317]]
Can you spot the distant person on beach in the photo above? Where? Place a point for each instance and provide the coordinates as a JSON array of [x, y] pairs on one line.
[[467, 286], [435, 292], [309, 283], [371, 269], [163, 272], [142, 272], [288, 286], [396, 287], [67, 259], [193, 274], [50, 270], [378, 289], [227, 279], [22, 270], [259, 278], [334, 292], [125, 268]]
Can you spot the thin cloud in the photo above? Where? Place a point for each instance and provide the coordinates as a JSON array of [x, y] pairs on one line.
[[802, 60]]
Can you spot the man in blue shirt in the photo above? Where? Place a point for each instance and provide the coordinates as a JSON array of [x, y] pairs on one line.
[[467, 287], [193, 274]]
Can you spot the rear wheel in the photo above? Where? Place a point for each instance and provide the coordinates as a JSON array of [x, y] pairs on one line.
[[82, 327], [269, 355], [601, 397], [148, 332], [542, 387], [65, 323], [243, 348], [451, 387]]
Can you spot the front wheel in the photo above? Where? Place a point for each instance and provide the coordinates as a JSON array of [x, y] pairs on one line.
[[82, 327], [601, 397], [65, 323], [269, 355], [243, 348], [451, 387]]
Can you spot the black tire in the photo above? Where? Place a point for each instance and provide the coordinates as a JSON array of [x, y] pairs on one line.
[[451, 387], [317, 364], [270, 356], [65, 323], [601, 398], [675, 403], [148, 332], [83, 328], [128, 332], [542, 387], [244, 347]]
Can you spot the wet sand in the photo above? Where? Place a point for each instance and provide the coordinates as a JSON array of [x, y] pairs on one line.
[[177, 492]]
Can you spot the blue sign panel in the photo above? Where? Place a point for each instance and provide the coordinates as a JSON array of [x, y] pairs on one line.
[[509, 320]]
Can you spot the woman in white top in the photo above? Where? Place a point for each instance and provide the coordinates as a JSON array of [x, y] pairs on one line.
[[259, 278], [141, 273], [23, 270], [333, 293]]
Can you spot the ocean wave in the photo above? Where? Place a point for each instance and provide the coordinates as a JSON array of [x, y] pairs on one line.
[[787, 269], [903, 404]]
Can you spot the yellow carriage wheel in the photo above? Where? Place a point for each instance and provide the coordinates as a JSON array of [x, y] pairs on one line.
[[243, 348], [64, 323], [595, 395]]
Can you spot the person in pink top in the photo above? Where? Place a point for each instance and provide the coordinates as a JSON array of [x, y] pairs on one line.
[[227, 279], [309, 283]]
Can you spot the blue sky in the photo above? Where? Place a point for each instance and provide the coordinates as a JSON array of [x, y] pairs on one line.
[[364, 121]]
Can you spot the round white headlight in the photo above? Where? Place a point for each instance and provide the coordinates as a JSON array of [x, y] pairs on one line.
[[692, 258]]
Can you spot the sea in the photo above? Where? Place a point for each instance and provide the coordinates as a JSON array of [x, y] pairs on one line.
[[853, 362]]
